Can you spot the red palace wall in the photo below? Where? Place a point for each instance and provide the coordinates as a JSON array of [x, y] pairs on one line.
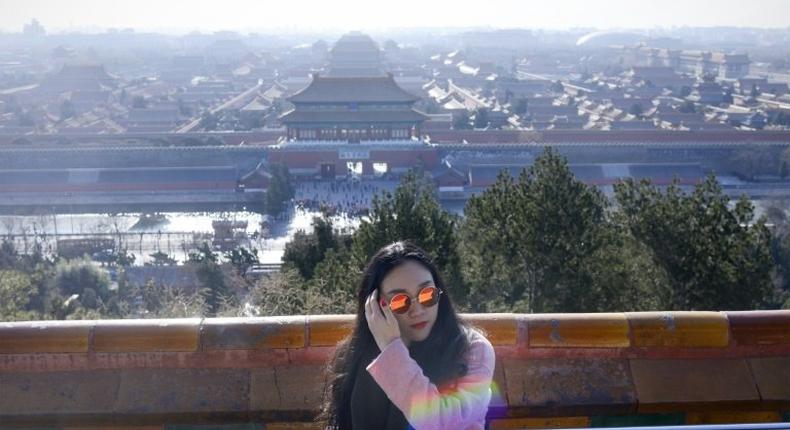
[[395, 159]]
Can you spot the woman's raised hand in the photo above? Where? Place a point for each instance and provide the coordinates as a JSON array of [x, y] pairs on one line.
[[381, 321]]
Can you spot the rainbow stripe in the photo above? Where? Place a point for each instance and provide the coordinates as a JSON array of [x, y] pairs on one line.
[[465, 402]]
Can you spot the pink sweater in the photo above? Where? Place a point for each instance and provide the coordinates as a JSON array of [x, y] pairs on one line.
[[427, 407]]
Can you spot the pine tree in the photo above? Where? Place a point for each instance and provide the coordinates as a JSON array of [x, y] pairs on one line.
[[715, 257], [532, 244]]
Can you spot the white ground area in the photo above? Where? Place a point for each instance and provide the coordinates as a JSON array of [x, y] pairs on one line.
[[182, 231]]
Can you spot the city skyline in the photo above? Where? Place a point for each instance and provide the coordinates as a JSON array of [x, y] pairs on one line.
[[303, 16]]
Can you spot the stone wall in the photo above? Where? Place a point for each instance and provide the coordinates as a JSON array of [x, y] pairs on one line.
[[244, 158], [561, 370]]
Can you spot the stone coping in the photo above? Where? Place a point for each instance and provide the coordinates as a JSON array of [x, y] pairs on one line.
[[616, 333], [567, 370]]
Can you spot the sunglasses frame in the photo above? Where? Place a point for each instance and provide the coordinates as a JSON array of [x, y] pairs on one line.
[[383, 302]]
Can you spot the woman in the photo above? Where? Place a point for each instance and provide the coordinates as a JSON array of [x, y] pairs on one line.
[[410, 362]]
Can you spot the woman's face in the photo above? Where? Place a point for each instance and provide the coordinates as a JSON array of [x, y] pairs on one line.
[[409, 278]]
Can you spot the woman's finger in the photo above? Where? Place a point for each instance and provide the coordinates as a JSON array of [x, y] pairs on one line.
[[371, 305], [367, 307], [389, 316]]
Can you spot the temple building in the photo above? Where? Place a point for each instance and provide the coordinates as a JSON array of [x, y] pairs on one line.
[[353, 110], [355, 121], [353, 127], [79, 77], [355, 55]]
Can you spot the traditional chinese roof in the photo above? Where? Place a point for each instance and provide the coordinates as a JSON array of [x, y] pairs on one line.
[[295, 116], [71, 77], [355, 54], [353, 89]]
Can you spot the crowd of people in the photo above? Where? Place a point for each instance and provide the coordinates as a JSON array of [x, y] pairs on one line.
[[348, 198]]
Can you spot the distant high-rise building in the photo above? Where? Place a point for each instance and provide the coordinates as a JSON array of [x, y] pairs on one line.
[[697, 63], [33, 29]]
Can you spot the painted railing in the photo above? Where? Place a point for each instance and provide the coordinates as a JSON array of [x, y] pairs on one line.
[[553, 370]]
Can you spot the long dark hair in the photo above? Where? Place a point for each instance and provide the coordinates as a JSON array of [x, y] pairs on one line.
[[449, 337]]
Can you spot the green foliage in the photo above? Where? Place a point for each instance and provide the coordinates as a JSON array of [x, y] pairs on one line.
[[715, 259], [752, 161], [305, 251], [209, 121], [776, 212], [210, 277], [481, 118], [183, 108], [162, 301], [536, 244], [286, 293], [161, 259], [461, 120], [333, 265], [784, 164], [242, 258], [121, 258], [557, 87], [412, 213], [16, 291], [280, 189], [203, 254], [337, 277], [521, 106], [688, 107], [541, 242], [728, 97], [8, 255], [77, 276], [139, 102]]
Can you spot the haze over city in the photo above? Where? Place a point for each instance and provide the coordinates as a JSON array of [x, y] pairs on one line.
[[165, 134], [303, 15], [195, 196]]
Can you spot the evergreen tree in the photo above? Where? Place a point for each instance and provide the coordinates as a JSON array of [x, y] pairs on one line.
[[412, 213], [714, 257], [481, 118], [139, 102], [538, 243], [557, 87], [211, 278], [242, 258], [16, 291], [280, 189], [521, 106], [305, 251], [636, 109], [77, 276], [67, 109], [461, 120]]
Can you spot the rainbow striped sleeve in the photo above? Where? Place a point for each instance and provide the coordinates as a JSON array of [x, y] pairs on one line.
[[426, 407]]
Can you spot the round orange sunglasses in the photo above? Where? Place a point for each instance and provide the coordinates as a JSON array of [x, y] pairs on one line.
[[401, 302]]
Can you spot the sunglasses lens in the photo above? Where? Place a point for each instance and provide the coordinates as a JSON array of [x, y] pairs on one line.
[[428, 296], [400, 303]]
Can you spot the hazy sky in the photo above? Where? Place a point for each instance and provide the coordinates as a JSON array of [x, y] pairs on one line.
[[178, 16]]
